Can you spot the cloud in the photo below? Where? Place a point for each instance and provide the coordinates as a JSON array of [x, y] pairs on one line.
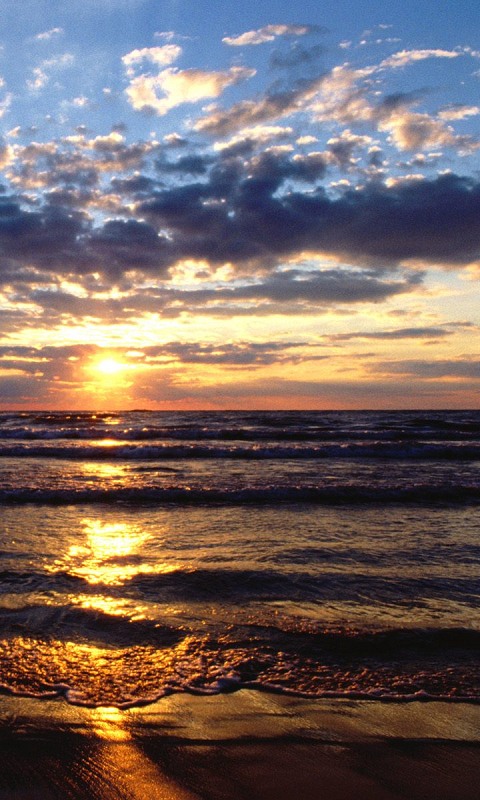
[[275, 105], [172, 87], [7, 155], [42, 73], [421, 332], [165, 35], [5, 103], [343, 147], [341, 98], [440, 368], [76, 160], [22, 389], [435, 221], [235, 354], [160, 56], [414, 131], [275, 391], [62, 241], [185, 165], [244, 214], [458, 112], [268, 34], [243, 203], [405, 57], [289, 292], [348, 96], [45, 36], [250, 138], [296, 56]]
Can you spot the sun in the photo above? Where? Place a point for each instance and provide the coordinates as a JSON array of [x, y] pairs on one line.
[[109, 378], [109, 366]]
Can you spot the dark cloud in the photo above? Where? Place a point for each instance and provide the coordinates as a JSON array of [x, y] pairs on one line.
[[275, 169], [187, 165], [45, 239], [22, 389], [454, 368], [297, 55], [136, 185], [253, 214], [284, 292], [325, 286], [333, 394], [437, 221], [243, 354], [427, 332], [276, 104], [64, 242], [124, 245], [398, 100]]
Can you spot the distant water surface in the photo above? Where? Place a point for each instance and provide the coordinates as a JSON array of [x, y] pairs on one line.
[[313, 553]]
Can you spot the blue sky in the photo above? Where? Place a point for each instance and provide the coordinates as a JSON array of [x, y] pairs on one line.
[[239, 205]]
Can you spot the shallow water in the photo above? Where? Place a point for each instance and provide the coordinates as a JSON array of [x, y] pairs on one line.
[[149, 553]]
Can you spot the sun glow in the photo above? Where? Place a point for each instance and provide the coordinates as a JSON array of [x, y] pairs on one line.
[[109, 366]]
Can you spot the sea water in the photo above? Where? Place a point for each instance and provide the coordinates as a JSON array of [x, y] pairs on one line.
[[309, 553]]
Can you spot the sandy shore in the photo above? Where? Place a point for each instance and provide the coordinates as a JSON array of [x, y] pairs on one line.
[[244, 745]]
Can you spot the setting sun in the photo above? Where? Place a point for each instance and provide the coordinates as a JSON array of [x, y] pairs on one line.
[[109, 366]]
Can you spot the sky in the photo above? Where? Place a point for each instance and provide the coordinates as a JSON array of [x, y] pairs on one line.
[[256, 205]]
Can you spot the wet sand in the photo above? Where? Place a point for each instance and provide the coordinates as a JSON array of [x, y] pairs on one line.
[[238, 746]]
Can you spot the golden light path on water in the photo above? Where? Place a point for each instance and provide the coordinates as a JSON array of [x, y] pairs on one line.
[[105, 555], [109, 640]]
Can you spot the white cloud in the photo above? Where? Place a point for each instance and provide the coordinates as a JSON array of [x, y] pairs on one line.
[[415, 131], [405, 57], [266, 34], [459, 112], [166, 35], [262, 134], [5, 104], [309, 139], [7, 155], [42, 73], [340, 98], [160, 56], [172, 87], [47, 35]]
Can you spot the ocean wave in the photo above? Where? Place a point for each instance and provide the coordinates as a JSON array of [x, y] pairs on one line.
[[231, 683], [113, 449], [231, 587], [71, 623], [441, 493], [313, 435], [151, 662]]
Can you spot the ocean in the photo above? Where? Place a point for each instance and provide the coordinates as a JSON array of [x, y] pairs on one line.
[[311, 554]]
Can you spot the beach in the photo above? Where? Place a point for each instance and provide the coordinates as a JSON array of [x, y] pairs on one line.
[[245, 744]]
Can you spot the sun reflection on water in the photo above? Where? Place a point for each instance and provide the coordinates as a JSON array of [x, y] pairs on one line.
[[113, 606], [106, 443], [110, 553], [104, 470]]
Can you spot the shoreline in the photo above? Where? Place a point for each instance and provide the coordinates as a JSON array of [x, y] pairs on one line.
[[244, 744]]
